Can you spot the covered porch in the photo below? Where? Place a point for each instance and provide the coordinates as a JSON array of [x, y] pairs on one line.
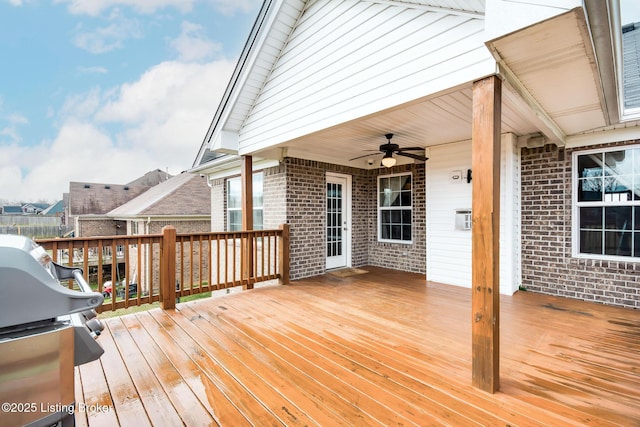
[[379, 347]]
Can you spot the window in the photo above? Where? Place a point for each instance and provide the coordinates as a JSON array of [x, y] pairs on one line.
[[234, 203], [394, 208], [607, 203]]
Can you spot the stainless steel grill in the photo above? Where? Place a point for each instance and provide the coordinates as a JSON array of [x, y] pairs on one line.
[[45, 330]]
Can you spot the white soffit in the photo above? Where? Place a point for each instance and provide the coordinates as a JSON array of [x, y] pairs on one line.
[[554, 62]]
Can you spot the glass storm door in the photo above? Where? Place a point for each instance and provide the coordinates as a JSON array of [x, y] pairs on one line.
[[337, 222]]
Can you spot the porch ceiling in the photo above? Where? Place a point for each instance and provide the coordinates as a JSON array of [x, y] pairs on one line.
[[441, 119], [552, 65]]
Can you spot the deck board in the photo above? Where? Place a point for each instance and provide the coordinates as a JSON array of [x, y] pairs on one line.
[[381, 348]]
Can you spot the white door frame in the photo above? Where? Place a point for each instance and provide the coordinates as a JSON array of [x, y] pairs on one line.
[[346, 181]]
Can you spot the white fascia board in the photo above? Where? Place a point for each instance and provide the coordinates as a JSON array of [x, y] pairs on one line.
[[224, 142], [243, 69], [506, 16], [232, 168], [605, 137]]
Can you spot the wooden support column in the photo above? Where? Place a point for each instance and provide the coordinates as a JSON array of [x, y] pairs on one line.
[[485, 276], [246, 180], [168, 270], [283, 251]]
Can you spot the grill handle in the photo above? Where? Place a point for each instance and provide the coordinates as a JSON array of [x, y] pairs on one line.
[[84, 286]]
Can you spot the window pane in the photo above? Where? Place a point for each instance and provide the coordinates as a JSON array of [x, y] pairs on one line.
[[406, 232], [396, 217], [234, 219], [590, 190], [386, 217], [234, 194], [405, 198], [617, 243], [618, 218], [618, 189], [385, 197], [406, 216], [396, 232], [406, 182], [636, 244], [636, 225], [591, 218], [396, 183], [258, 220], [618, 163], [385, 231], [591, 242], [395, 198], [258, 190], [590, 165]]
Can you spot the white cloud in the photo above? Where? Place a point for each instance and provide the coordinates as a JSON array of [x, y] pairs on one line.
[[9, 132], [92, 70], [229, 7], [15, 2], [193, 44], [109, 37], [95, 7], [116, 135]]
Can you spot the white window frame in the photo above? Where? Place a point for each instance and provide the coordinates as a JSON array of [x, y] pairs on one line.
[[576, 205], [255, 206], [390, 208]]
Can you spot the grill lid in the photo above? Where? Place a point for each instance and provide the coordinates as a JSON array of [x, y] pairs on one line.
[[29, 292]]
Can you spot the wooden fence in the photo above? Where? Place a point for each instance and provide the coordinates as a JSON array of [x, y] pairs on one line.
[[143, 269]]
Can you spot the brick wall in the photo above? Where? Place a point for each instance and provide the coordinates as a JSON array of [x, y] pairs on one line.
[[306, 192], [398, 256], [295, 193], [306, 216], [90, 227], [547, 263], [274, 197]]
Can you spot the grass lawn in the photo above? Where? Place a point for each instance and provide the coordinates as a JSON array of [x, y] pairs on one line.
[[145, 307]]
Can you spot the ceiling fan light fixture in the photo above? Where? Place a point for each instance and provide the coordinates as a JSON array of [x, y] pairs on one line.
[[388, 160]]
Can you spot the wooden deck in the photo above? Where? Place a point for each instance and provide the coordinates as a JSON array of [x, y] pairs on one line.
[[379, 348]]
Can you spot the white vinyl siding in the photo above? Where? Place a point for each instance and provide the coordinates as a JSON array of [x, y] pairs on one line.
[[332, 70], [448, 249]]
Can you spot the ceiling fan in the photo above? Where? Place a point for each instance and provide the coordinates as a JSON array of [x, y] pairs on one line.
[[390, 149]]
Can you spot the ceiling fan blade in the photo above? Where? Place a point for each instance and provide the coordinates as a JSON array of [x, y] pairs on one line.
[[375, 153], [411, 155], [411, 148]]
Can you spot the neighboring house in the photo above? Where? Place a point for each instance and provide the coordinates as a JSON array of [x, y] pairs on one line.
[[88, 203], [12, 210], [25, 209], [56, 209], [183, 201], [320, 83]]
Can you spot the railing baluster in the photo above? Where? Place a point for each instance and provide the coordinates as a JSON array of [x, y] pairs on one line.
[[146, 261]]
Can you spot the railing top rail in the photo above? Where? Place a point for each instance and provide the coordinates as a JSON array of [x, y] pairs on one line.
[[156, 236]]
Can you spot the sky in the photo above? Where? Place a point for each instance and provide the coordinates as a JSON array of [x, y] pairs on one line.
[[106, 90]]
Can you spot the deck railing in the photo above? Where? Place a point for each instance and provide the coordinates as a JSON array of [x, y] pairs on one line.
[[142, 269]]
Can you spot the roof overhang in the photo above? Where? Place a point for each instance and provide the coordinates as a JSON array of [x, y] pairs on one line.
[[229, 165], [552, 65]]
